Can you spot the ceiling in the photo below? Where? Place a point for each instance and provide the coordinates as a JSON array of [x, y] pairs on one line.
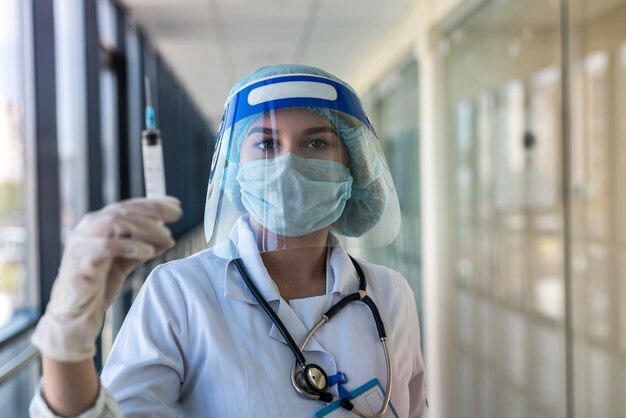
[[210, 44]]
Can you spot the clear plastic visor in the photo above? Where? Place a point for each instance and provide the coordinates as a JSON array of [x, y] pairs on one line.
[[290, 177]]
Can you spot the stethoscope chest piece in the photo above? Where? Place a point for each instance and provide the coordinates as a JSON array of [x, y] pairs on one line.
[[313, 379]]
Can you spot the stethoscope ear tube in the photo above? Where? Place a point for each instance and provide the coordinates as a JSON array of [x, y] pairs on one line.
[[379, 322], [343, 302]]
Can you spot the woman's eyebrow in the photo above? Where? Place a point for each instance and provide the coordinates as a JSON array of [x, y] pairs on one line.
[[263, 130], [320, 129]]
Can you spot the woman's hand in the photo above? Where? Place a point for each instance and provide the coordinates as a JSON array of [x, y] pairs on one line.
[[103, 249]]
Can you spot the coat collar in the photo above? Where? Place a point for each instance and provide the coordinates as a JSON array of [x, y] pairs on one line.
[[341, 280], [341, 277]]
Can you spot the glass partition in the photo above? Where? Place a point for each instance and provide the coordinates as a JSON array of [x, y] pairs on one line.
[[505, 84], [392, 104], [598, 160], [504, 87]]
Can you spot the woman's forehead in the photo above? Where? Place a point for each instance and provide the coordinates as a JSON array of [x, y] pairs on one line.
[[294, 117]]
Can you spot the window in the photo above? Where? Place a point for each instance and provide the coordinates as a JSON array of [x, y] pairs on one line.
[[109, 117], [16, 290], [71, 114]]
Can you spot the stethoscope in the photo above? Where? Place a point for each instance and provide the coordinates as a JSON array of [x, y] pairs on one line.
[[311, 381]]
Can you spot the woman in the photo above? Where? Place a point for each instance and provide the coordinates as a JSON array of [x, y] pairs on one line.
[[255, 325]]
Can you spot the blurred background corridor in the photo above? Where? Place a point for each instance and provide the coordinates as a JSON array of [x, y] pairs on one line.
[[503, 121]]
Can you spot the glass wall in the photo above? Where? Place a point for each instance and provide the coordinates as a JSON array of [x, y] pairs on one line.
[[16, 289], [392, 105], [109, 116], [71, 103], [512, 239], [71, 110], [598, 163], [504, 88]]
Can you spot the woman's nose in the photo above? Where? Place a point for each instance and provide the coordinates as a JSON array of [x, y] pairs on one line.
[[289, 145]]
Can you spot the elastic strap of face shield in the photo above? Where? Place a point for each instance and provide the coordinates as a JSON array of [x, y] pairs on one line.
[[294, 90]]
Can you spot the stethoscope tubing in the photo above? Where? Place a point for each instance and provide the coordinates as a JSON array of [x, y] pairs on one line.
[[383, 408], [298, 350], [270, 312], [351, 407]]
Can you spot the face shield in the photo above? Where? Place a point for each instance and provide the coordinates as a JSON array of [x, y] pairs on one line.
[[297, 164]]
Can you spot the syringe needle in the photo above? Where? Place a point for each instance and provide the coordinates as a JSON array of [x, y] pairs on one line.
[[146, 81]]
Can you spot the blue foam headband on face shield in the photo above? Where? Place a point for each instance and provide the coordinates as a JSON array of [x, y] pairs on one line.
[[296, 90]]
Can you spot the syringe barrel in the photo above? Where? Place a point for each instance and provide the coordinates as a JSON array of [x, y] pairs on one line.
[[153, 172]]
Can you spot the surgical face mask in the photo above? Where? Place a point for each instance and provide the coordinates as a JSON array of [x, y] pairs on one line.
[[294, 196]]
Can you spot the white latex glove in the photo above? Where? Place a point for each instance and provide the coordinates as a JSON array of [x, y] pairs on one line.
[[102, 250]]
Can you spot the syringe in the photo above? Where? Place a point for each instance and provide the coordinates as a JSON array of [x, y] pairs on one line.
[[153, 172]]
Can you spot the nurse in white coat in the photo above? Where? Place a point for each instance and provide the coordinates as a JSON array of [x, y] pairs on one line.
[[274, 319]]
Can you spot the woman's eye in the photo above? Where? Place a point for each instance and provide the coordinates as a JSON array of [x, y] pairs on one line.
[[316, 144], [267, 144]]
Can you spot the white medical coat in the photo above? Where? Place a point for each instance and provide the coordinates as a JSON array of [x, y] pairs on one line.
[[197, 344]]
